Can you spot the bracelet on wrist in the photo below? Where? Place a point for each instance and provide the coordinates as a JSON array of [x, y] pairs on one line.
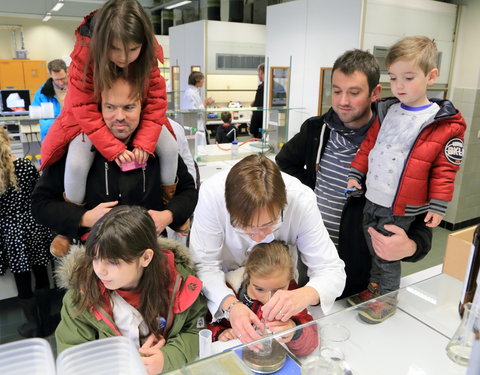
[[229, 309]]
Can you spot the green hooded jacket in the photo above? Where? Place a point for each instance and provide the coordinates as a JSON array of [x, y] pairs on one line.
[[185, 319]]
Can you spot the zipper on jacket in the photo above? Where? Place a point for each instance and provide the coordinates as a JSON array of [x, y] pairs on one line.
[[143, 172], [106, 178]]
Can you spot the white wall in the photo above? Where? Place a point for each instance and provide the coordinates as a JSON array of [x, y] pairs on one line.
[[388, 21], [314, 33], [465, 94], [187, 48], [43, 40]]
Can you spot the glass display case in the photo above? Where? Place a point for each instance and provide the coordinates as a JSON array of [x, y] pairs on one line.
[[413, 340], [274, 136]]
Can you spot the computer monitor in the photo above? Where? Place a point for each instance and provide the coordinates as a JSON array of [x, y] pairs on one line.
[[14, 102]]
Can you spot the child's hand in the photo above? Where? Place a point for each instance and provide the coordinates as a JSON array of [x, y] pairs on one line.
[[279, 326], [141, 156], [353, 183], [152, 356], [432, 219], [125, 157], [226, 335]]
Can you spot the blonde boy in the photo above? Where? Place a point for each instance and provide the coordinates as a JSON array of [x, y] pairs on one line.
[[409, 159]]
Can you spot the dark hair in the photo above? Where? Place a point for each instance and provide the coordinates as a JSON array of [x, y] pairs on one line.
[[195, 77], [226, 117], [127, 22], [261, 67], [125, 233], [57, 65], [261, 185], [267, 258], [362, 61]]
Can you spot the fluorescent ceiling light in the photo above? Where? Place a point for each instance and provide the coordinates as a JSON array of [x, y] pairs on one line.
[[58, 6], [179, 4], [47, 17]]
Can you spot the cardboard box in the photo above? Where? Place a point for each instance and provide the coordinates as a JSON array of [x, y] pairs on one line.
[[457, 252]]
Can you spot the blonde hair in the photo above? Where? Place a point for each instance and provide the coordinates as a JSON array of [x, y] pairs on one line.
[[267, 258], [7, 169], [419, 49]]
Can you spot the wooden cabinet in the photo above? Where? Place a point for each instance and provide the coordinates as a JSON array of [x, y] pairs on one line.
[[11, 75], [23, 74], [34, 74]]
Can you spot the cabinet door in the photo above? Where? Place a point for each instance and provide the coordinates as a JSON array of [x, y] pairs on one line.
[[35, 74], [11, 75]]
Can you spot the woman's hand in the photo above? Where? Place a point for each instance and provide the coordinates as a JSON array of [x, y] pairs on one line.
[[152, 356], [241, 320], [279, 326], [286, 303]]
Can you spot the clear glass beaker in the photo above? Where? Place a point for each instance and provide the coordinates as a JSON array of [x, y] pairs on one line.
[[460, 345]]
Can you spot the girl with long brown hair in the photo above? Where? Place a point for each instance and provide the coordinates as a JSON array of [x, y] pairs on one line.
[[126, 282], [115, 41]]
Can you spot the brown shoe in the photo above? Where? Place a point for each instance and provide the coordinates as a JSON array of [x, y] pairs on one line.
[[372, 291], [184, 228], [60, 246], [169, 192]]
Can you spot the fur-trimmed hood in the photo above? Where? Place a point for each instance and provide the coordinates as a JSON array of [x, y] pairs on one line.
[[66, 266]]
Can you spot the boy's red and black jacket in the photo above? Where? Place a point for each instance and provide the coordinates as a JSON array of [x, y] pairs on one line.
[[429, 171]]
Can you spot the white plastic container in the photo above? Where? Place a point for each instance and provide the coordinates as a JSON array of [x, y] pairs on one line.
[[110, 356], [27, 357]]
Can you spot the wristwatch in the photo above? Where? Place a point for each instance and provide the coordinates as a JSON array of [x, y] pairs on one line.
[[229, 308]]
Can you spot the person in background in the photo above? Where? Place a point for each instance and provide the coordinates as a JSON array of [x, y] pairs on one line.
[[52, 91], [226, 133], [24, 243], [320, 156], [191, 98], [407, 164], [114, 41], [253, 203], [127, 282], [257, 116], [269, 268]]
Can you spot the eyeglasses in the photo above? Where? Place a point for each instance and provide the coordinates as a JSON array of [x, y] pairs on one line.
[[63, 79], [265, 229]]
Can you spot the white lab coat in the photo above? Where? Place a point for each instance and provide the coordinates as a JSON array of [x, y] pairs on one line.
[[217, 248], [191, 99]]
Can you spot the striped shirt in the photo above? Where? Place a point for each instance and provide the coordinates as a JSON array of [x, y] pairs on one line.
[[332, 180]]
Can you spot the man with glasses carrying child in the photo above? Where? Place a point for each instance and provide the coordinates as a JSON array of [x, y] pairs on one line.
[[256, 203]]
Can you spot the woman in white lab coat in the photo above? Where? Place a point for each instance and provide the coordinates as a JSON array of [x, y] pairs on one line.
[[192, 99]]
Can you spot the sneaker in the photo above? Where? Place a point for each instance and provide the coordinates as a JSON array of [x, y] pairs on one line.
[[378, 310], [372, 291]]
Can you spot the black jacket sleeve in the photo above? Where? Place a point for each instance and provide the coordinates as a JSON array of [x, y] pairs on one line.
[[297, 156], [49, 207], [185, 199], [422, 236]]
